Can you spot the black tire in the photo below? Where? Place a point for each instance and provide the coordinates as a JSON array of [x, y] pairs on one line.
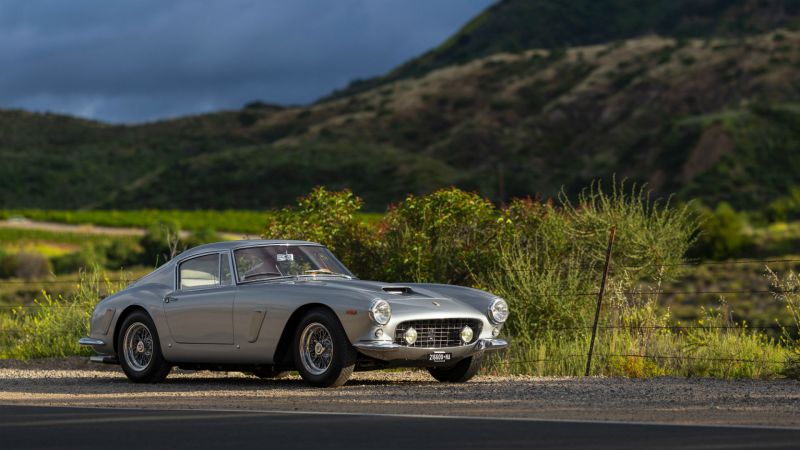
[[342, 357], [461, 372], [268, 373], [156, 367]]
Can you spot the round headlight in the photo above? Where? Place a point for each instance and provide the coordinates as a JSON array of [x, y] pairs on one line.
[[498, 310], [466, 334], [380, 311], [410, 336]]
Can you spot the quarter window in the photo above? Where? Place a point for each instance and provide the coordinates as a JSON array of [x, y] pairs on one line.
[[202, 271], [225, 270]]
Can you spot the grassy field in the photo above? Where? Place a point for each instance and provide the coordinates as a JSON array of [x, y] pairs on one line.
[[235, 221]]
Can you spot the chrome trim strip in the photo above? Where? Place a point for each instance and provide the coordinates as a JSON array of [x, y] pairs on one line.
[[90, 341]]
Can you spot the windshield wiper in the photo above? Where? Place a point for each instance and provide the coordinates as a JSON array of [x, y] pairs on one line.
[[251, 276]]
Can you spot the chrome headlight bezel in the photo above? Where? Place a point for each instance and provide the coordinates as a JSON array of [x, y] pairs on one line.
[[498, 311], [380, 311]]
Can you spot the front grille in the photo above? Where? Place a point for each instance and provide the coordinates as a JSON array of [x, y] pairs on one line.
[[437, 332]]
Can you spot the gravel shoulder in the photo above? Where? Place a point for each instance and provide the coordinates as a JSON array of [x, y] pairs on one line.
[[75, 382]]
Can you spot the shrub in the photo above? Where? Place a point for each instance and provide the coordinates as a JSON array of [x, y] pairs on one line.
[[160, 243], [444, 237], [31, 265], [722, 233], [201, 236], [73, 262], [8, 265]]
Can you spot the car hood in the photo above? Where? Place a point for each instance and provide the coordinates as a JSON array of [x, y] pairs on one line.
[[404, 297]]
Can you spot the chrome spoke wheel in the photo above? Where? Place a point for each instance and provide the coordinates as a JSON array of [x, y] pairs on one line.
[[316, 348], [138, 346]]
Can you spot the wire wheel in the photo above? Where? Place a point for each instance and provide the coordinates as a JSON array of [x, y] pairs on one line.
[[138, 346], [316, 348]]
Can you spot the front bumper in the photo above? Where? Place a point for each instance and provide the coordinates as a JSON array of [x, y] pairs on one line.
[[389, 351]]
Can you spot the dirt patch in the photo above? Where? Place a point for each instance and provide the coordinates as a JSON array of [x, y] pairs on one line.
[[712, 146]]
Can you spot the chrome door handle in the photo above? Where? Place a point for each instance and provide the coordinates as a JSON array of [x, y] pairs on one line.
[[170, 299]]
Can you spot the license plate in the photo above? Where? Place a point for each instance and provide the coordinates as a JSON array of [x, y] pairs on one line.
[[439, 357]]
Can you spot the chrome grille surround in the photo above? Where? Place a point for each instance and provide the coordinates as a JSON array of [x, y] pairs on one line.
[[435, 333]]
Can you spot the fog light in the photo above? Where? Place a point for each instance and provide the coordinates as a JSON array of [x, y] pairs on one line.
[[379, 333], [410, 336], [466, 334], [495, 331]]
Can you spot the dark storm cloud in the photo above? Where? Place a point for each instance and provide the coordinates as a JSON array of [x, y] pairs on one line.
[[147, 59]]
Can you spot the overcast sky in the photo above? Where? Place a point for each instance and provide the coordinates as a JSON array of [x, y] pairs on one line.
[[142, 60]]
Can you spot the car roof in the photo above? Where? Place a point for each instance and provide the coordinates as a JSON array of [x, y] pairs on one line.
[[228, 245]]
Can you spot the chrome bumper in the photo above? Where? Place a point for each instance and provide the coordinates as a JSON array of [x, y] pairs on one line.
[[389, 351], [90, 341]]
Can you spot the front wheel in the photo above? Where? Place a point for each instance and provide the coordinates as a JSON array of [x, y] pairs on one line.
[[463, 371], [322, 353], [139, 350]]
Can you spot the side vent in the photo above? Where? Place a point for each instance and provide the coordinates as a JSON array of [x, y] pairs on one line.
[[398, 290]]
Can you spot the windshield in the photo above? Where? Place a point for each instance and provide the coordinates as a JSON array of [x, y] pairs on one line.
[[272, 261]]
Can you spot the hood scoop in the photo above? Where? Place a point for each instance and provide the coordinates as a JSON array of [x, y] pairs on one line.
[[398, 290]]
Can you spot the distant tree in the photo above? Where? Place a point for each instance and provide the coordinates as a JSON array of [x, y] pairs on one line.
[[31, 265], [723, 233], [160, 243]]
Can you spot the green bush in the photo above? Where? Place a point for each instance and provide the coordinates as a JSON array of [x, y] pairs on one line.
[[73, 262], [160, 243], [111, 254], [8, 265], [445, 237], [785, 208], [722, 233], [200, 237], [31, 265]]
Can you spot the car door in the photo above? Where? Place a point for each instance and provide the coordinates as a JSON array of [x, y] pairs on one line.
[[200, 311]]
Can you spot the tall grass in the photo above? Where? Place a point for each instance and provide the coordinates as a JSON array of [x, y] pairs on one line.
[[787, 292], [549, 271], [53, 325]]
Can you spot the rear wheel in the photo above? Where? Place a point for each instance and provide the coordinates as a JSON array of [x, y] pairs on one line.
[[322, 353], [139, 350], [463, 371]]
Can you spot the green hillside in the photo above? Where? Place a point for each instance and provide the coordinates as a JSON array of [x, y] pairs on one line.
[[715, 117], [517, 25]]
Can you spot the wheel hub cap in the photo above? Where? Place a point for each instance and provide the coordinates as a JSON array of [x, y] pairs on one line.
[[137, 347], [316, 348]]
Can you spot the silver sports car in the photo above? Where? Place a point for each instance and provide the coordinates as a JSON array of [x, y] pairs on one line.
[[267, 306]]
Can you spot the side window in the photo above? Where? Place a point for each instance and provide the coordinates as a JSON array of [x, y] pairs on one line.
[[225, 270], [202, 271]]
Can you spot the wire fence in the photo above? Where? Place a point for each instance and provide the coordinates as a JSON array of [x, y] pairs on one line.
[[568, 357]]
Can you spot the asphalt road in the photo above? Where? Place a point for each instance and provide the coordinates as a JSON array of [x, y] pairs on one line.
[[31, 427]]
